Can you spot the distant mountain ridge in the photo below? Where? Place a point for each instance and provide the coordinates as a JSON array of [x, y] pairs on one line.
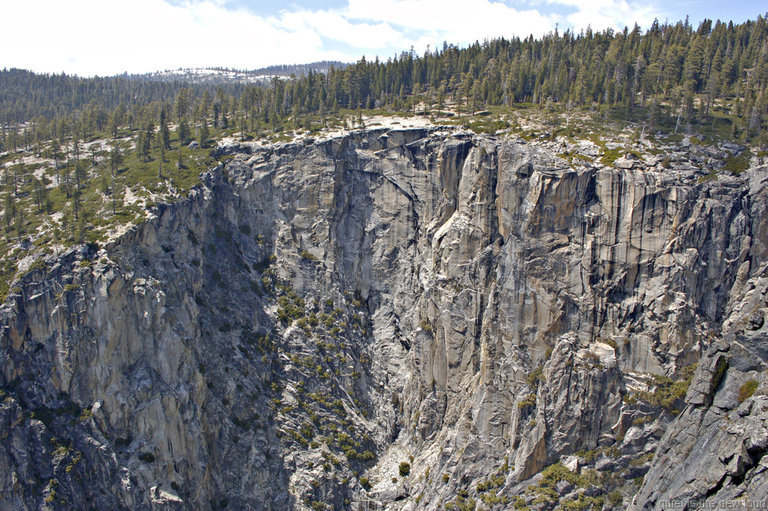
[[227, 75]]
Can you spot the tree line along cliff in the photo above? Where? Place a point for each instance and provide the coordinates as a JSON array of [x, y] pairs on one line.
[[714, 75]]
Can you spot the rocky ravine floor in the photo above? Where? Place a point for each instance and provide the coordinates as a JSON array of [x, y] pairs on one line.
[[408, 319]]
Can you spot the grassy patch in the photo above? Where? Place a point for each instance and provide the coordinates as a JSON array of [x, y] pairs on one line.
[[487, 126], [747, 389]]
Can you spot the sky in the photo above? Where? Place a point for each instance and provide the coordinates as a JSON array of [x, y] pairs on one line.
[[107, 37]]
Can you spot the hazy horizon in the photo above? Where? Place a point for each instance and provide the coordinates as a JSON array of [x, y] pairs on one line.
[[91, 37]]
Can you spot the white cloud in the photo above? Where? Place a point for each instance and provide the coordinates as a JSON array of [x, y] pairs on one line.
[[104, 37], [107, 36], [336, 26], [454, 21], [615, 14]]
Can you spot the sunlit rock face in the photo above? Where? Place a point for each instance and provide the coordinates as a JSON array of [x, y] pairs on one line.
[[317, 314]]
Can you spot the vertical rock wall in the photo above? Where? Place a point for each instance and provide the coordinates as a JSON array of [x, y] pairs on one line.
[[472, 306]]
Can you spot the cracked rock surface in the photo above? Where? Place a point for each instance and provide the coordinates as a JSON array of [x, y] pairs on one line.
[[516, 329]]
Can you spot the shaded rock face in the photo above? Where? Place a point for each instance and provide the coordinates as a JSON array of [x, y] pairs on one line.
[[713, 454], [316, 314]]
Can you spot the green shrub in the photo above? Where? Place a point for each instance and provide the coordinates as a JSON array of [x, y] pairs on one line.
[[527, 401], [404, 469], [639, 421], [738, 164], [666, 392], [308, 256], [38, 264], [535, 376], [290, 307], [557, 472], [611, 155], [520, 504], [582, 503]]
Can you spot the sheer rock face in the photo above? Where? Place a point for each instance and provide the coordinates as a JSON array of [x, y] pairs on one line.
[[451, 267], [713, 454]]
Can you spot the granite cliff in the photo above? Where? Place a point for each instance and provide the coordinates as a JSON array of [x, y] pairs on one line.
[[408, 319]]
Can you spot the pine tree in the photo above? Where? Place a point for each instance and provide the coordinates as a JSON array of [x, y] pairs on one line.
[[140, 145], [75, 148], [65, 185], [182, 104], [9, 211], [184, 132], [115, 193], [66, 223], [39, 194], [165, 134], [149, 134], [204, 134], [81, 229], [20, 223], [115, 159], [76, 202], [56, 154]]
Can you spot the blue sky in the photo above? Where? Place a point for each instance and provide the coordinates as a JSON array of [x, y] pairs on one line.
[[103, 37]]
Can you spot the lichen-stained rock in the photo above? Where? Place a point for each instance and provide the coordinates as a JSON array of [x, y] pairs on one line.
[[316, 314]]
